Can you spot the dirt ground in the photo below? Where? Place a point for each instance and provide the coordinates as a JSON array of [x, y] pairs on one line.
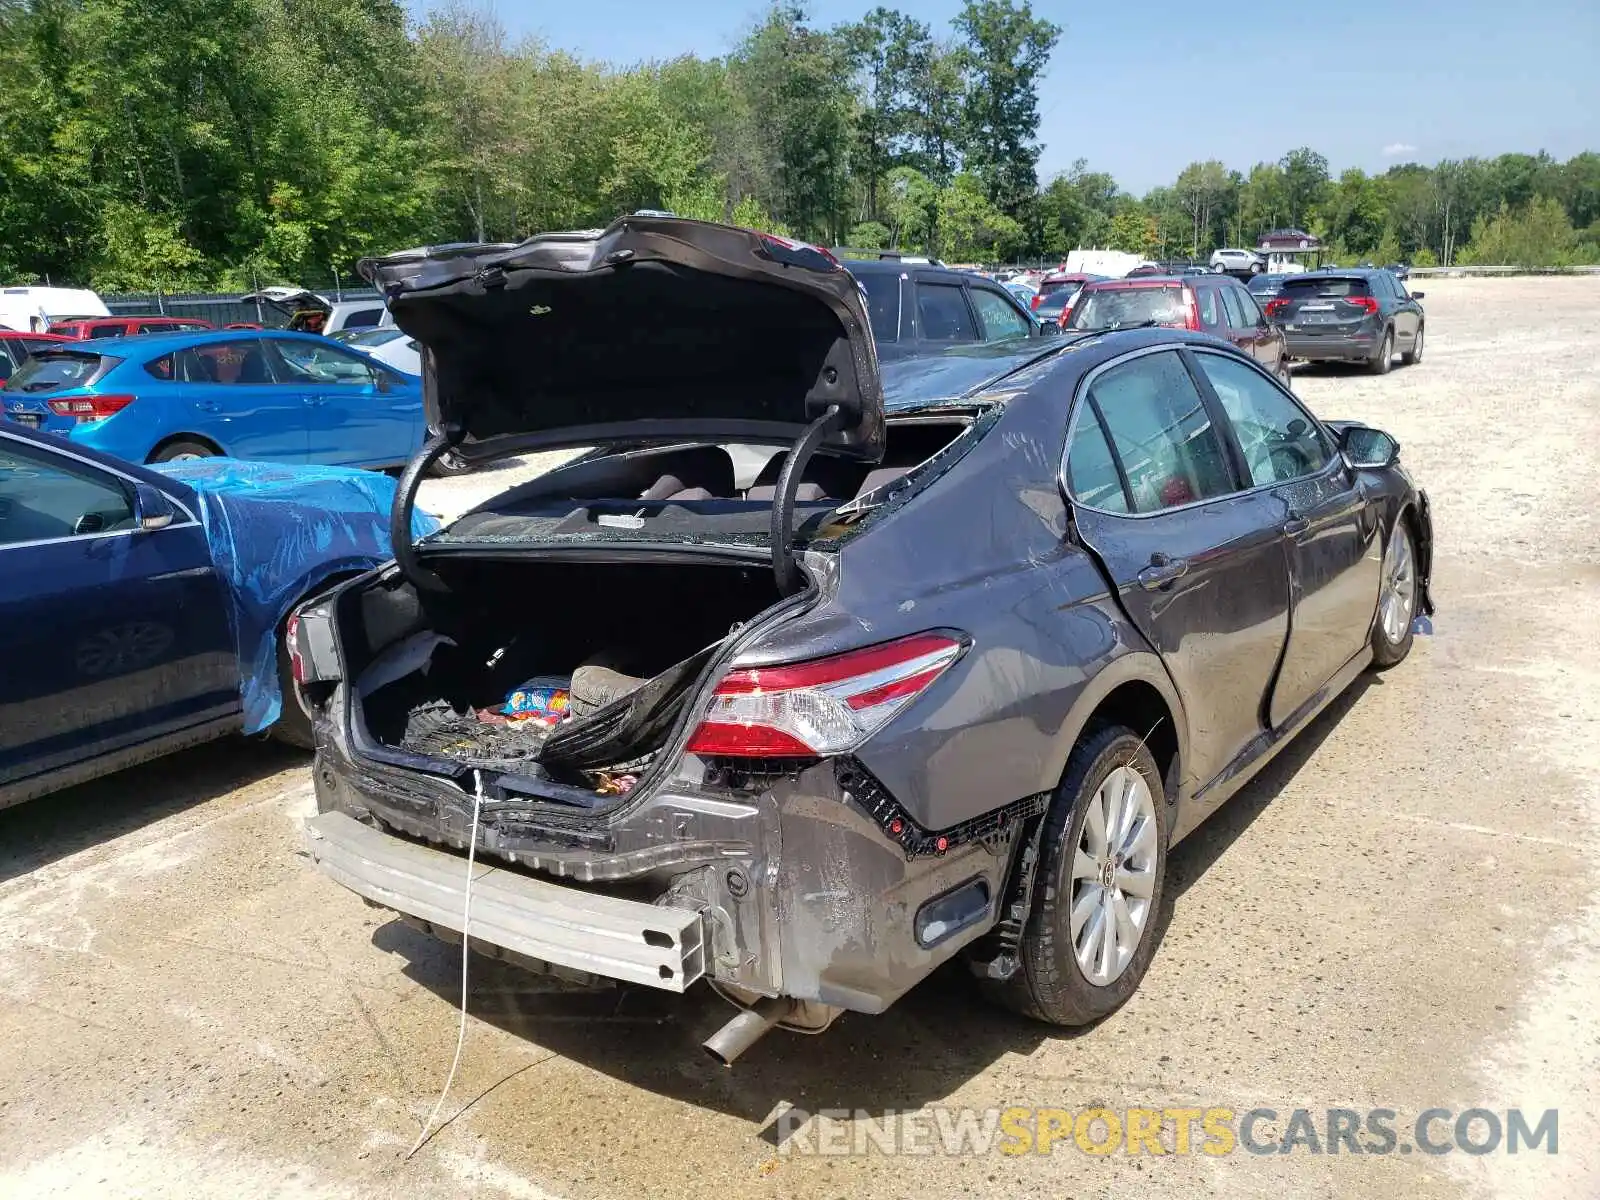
[[1402, 912]]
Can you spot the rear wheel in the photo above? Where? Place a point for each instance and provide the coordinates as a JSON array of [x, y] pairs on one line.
[[1103, 857], [1414, 355], [182, 451], [1398, 596], [1385, 358], [1255, 268], [1221, 268], [1282, 373]]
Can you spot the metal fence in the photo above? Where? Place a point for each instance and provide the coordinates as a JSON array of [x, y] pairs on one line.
[[220, 308]]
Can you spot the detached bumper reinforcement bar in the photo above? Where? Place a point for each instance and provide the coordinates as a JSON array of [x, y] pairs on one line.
[[620, 939]]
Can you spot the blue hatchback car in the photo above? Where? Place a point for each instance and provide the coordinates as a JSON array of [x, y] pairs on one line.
[[262, 395]]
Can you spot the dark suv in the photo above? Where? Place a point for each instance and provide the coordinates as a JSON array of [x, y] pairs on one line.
[[918, 308], [1216, 304], [1351, 315]]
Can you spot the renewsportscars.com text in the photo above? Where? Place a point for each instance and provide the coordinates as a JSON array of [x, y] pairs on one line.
[[1214, 1131]]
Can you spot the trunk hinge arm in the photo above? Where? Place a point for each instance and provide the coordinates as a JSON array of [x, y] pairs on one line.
[[405, 496], [783, 563]]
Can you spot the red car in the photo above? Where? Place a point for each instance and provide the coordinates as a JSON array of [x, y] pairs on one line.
[[16, 347], [1216, 304], [110, 327]]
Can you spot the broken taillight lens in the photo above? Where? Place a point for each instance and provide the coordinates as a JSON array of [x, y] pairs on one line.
[[291, 642], [827, 706]]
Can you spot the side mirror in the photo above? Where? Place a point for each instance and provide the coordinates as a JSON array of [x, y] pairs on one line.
[[1369, 449], [154, 509], [1048, 329], [1417, 295]]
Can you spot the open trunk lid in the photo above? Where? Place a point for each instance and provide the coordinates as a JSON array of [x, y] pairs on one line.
[[654, 329]]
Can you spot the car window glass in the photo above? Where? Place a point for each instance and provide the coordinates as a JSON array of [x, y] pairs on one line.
[[1247, 306], [313, 362], [44, 495], [1162, 432], [1114, 307], [943, 314], [1230, 301], [240, 362], [1304, 287], [883, 303], [1210, 309], [1279, 442], [161, 368], [52, 372], [1000, 318], [1091, 472], [363, 318], [7, 363], [105, 331]]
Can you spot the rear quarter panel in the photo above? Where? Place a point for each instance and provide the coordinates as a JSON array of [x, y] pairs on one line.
[[985, 550]]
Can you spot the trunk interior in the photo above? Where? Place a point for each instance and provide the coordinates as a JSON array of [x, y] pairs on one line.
[[603, 655]]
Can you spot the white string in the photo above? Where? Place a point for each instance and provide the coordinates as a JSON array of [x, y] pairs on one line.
[[466, 955]]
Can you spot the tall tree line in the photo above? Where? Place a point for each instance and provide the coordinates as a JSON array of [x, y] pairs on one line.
[[225, 143]]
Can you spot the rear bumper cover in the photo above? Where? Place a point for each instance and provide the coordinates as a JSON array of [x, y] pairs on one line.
[[797, 887], [1334, 346], [651, 944]]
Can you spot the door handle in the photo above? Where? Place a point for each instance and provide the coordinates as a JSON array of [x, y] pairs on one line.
[[314, 401], [1296, 524], [1160, 573], [206, 405]]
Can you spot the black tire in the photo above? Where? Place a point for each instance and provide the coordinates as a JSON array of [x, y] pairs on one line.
[[1221, 268], [1414, 355], [447, 466], [1049, 985], [1385, 357], [1255, 268], [1386, 651], [293, 726], [176, 450]]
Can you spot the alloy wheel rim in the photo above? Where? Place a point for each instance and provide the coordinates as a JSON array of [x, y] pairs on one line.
[[1113, 876], [1399, 586], [1416, 351]]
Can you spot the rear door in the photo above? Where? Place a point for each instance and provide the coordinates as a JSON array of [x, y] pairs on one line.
[[1328, 525], [1197, 562], [231, 394], [1246, 327], [361, 414], [110, 634]]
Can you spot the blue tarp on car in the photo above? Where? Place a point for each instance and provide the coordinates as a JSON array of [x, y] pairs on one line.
[[276, 532]]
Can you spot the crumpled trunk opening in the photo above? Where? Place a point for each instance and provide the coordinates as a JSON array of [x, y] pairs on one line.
[[568, 673]]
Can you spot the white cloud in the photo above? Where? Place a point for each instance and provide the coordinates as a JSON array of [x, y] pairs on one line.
[[1396, 149]]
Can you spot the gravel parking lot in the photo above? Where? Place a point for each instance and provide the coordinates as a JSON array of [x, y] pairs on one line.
[[1402, 912]]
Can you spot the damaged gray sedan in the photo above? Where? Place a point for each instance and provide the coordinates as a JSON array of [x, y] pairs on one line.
[[801, 692]]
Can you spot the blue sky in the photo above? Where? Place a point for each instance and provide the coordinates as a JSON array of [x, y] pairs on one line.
[[1140, 88]]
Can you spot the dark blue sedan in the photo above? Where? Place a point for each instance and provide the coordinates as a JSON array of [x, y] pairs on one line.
[[140, 610], [262, 395]]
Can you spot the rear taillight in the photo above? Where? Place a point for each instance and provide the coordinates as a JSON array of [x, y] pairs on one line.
[[1275, 307], [291, 644], [1034, 303], [827, 706], [90, 408], [1192, 321], [1366, 303]]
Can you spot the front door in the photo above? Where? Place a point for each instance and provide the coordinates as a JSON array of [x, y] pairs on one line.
[[359, 414], [1329, 530], [1198, 564], [110, 635]]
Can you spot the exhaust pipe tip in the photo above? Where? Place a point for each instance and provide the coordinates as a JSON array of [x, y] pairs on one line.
[[746, 1029]]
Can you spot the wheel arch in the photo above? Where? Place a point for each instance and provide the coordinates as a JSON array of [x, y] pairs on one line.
[[1135, 691], [173, 438]]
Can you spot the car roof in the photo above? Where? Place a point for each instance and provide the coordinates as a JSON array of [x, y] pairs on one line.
[[161, 343]]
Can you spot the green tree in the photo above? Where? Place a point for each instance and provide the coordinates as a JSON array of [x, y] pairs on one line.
[[887, 49], [1536, 235], [1305, 179], [1006, 49]]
